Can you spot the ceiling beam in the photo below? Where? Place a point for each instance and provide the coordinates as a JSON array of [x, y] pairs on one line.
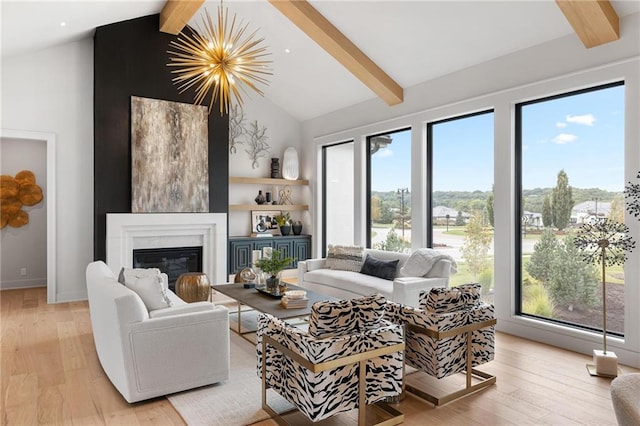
[[175, 14], [594, 21], [323, 32]]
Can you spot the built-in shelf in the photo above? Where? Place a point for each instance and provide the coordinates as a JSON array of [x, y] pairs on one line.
[[267, 181], [283, 207]]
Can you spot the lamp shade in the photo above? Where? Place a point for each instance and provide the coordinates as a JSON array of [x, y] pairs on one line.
[[290, 164]]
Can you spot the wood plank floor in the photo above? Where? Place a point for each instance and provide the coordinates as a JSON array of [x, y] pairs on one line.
[[50, 374]]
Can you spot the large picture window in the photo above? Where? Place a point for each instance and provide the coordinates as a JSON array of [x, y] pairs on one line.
[[571, 171], [390, 191], [338, 194], [461, 199]]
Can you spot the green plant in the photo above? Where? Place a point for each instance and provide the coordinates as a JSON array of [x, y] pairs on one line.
[[485, 279], [274, 264], [283, 219], [536, 300]]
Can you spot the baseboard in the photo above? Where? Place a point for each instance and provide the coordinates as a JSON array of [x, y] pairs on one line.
[[15, 284]]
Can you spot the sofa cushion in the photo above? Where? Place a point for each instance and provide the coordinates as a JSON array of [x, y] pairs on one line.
[[379, 268], [344, 258], [353, 282], [151, 290], [184, 308], [443, 299]]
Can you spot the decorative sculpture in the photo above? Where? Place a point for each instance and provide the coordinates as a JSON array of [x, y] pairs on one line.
[[236, 128], [258, 146], [16, 193]]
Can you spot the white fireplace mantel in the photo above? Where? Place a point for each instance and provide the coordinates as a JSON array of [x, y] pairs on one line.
[[129, 231]]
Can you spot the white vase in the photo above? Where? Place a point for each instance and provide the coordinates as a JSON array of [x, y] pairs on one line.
[[290, 164]]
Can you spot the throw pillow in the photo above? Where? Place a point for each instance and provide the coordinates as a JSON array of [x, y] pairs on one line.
[[344, 258], [151, 290], [369, 311], [422, 260], [132, 274], [442, 299], [379, 268]]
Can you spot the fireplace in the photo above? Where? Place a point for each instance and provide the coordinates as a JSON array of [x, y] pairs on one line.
[[129, 232], [173, 261]]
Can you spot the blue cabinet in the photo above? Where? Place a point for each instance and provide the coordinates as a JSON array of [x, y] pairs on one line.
[[240, 249]]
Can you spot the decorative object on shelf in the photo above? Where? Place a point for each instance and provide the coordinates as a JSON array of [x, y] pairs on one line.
[[219, 58], [16, 192], [260, 199], [236, 128], [284, 222], [258, 146], [169, 166], [264, 222], [268, 197], [275, 168], [272, 266], [632, 193], [296, 227], [193, 287], [285, 196], [290, 164], [605, 242]]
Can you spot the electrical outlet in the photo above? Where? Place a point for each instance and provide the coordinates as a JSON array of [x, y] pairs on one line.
[[23, 272]]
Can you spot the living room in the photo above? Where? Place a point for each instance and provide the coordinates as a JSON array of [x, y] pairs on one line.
[[60, 102]]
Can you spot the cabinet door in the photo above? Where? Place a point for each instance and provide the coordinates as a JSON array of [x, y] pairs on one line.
[[301, 250], [260, 243], [285, 247], [240, 252]]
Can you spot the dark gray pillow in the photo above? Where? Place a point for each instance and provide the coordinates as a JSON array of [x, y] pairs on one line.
[[385, 269]]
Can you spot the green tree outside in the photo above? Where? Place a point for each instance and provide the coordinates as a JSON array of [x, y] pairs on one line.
[[544, 252], [477, 242], [561, 201], [547, 212], [489, 208]]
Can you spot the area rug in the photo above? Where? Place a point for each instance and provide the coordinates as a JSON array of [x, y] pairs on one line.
[[236, 402]]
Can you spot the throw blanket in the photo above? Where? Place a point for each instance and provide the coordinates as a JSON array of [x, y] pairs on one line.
[[422, 260]]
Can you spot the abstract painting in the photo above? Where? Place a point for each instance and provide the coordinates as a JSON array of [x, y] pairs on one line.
[[169, 156]]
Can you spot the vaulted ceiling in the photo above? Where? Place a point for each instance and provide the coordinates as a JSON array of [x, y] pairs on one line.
[[410, 41]]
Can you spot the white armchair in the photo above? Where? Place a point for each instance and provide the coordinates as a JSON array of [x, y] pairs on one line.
[[187, 346]]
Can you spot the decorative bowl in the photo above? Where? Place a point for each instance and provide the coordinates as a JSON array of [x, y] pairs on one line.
[[295, 294]]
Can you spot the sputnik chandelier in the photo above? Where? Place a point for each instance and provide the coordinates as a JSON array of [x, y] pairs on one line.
[[219, 58]]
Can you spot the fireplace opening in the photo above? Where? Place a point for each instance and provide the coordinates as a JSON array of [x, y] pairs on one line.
[[173, 261]]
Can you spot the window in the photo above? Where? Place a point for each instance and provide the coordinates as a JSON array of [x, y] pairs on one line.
[[460, 153], [390, 191], [571, 171], [338, 194]]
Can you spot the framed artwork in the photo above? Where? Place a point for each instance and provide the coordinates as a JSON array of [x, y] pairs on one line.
[[264, 222], [169, 157]]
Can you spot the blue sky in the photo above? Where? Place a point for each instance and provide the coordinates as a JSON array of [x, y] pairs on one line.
[[582, 134]]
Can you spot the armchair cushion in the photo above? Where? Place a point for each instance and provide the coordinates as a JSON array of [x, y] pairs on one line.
[[343, 317], [379, 268], [444, 299]]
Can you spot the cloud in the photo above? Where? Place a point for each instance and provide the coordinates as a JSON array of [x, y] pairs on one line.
[[384, 152], [564, 138], [586, 119], [561, 124]]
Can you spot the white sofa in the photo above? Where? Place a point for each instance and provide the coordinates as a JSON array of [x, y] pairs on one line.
[[315, 276], [185, 346]]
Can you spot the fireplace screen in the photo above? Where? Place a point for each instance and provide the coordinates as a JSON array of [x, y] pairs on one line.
[[173, 261]]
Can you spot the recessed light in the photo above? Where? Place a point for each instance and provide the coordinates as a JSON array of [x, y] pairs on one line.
[[63, 24], [287, 51]]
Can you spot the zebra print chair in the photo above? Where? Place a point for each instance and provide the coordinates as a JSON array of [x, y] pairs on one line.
[[451, 332], [350, 358]]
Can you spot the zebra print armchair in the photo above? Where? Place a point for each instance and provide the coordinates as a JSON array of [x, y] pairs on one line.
[[451, 332], [350, 357]]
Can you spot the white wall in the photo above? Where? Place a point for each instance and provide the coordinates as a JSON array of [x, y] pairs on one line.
[[282, 131], [52, 91], [555, 67], [26, 246]]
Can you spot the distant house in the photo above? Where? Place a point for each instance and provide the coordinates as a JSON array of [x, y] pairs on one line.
[[588, 211]]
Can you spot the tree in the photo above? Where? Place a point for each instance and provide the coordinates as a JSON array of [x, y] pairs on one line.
[[490, 208], [376, 213], [561, 201], [459, 219], [616, 213], [393, 242], [547, 212], [544, 251], [477, 242], [574, 283], [386, 215]]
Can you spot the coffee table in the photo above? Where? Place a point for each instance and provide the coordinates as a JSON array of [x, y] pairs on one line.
[[267, 304]]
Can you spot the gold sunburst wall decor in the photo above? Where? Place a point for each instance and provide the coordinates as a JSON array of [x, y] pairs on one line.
[[221, 58]]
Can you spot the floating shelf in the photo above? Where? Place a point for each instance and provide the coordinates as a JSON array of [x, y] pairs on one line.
[[265, 207], [267, 181]]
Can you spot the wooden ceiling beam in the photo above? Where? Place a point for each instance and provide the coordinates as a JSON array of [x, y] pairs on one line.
[[176, 14], [594, 21], [323, 32]]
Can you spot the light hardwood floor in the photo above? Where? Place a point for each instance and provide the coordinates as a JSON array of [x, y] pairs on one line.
[[50, 374]]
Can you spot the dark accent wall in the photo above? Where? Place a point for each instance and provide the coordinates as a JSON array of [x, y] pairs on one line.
[[130, 59]]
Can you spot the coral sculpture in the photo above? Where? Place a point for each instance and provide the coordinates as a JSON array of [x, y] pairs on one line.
[[16, 192]]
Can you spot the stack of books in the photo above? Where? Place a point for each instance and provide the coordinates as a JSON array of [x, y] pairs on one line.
[[288, 303]]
